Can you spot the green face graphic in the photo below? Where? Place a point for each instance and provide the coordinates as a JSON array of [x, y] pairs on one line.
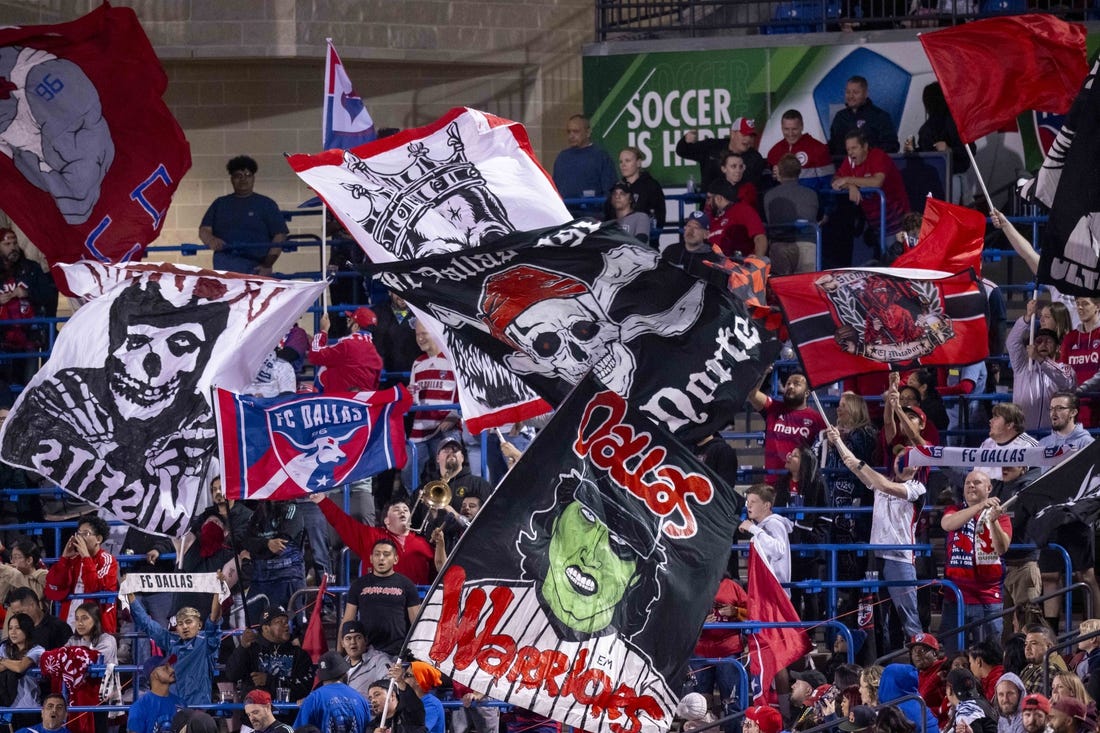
[[590, 570]]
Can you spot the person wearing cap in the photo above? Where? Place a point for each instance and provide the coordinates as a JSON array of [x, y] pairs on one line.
[[815, 161], [423, 679], [860, 113], [351, 364], [898, 503], [269, 660], [194, 645], [867, 166], [398, 703], [762, 719], [384, 601], [735, 227], [1035, 713], [925, 655], [1009, 699], [452, 465], [1037, 372], [694, 250], [968, 707], [793, 248], [978, 533], [152, 712], [236, 222], [707, 152], [1070, 715], [860, 718], [333, 705], [636, 223], [365, 663], [648, 195], [261, 718], [1077, 537], [583, 169]]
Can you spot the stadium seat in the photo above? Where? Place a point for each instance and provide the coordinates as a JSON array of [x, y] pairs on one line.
[[1002, 7], [802, 16]]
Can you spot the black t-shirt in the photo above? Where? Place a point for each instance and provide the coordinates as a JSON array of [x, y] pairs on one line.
[[52, 633], [382, 604]]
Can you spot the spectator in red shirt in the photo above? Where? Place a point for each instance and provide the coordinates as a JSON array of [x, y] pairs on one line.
[[735, 228], [84, 567], [790, 424], [925, 655], [352, 364], [867, 167], [812, 154], [729, 606], [986, 664]]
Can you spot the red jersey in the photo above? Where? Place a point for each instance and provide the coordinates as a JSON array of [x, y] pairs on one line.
[[811, 153], [787, 430], [352, 364], [897, 200], [733, 230], [714, 643], [1081, 352], [415, 557], [69, 575], [972, 561]]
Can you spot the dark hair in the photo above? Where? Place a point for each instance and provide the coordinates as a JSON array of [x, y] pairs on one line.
[[862, 81], [915, 391], [1074, 403], [727, 154], [847, 675], [98, 525], [22, 595], [987, 650], [1040, 629], [241, 163], [792, 114], [934, 101], [309, 728], [393, 502], [195, 721], [26, 625], [852, 695], [1014, 659], [858, 136], [1011, 413], [93, 610], [57, 695], [386, 541], [29, 548], [789, 167], [963, 683], [891, 720], [384, 683]]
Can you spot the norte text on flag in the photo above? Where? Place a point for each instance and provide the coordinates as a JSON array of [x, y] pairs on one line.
[[284, 447], [585, 606]]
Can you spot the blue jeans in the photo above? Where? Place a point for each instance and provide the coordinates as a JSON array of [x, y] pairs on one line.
[[229, 262], [903, 597], [972, 612]]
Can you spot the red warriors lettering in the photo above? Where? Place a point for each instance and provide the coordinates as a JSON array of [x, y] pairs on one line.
[[501, 656], [614, 446]]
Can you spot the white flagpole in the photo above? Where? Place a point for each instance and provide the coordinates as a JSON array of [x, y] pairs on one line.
[[324, 206], [817, 403]]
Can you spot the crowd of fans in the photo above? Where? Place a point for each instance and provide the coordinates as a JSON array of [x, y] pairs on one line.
[[65, 630]]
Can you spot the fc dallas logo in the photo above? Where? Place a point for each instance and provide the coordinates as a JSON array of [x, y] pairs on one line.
[[884, 318]]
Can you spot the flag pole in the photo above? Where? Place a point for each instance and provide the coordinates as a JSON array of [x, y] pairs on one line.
[[817, 404], [324, 206], [978, 173]]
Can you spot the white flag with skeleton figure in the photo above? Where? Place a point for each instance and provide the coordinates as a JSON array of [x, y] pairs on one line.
[[120, 416], [462, 181]]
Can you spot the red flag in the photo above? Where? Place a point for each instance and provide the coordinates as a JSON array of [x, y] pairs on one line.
[[992, 70], [950, 240], [859, 321], [90, 172], [770, 649], [313, 641]]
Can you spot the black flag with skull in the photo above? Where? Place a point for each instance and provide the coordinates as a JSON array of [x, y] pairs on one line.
[[553, 303]]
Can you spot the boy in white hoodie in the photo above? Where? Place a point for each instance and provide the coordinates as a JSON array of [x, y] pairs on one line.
[[770, 532]]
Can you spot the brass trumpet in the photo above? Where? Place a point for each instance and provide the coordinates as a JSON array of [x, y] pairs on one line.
[[435, 495]]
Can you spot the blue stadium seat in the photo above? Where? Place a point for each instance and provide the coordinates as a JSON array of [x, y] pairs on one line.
[[1002, 7], [802, 16]]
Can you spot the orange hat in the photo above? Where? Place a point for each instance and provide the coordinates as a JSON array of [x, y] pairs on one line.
[[427, 676]]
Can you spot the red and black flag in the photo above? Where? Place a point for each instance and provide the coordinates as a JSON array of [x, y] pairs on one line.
[[550, 304], [858, 321], [90, 154], [951, 239], [585, 606], [1067, 183]]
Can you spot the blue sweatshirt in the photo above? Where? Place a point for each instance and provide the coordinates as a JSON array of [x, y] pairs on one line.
[[195, 658]]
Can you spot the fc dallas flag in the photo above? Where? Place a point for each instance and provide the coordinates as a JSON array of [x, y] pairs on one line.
[[284, 447], [89, 153], [550, 304], [770, 650], [1067, 183], [857, 321], [585, 606], [120, 416], [992, 70], [345, 120], [951, 240], [463, 180]]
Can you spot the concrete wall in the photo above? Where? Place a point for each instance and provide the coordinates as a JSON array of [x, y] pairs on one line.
[[246, 76]]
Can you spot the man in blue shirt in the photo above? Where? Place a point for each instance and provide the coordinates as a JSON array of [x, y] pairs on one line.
[[235, 223], [583, 169], [333, 706], [153, 711], [54, 712]]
